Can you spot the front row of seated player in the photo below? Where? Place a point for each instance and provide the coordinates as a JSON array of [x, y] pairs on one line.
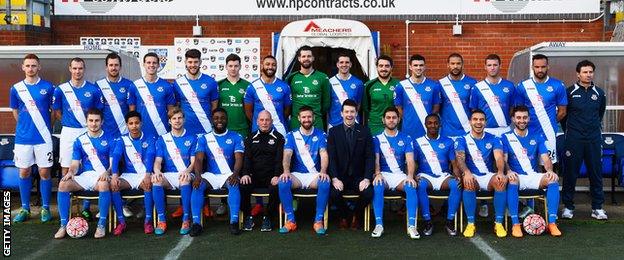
[[401, 163]]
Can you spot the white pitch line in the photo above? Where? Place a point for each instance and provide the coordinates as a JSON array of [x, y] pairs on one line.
[[485, 248], [175, 253], [42, 251]]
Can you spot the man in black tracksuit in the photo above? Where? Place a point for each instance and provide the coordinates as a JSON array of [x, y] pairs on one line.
[[262, 165], [583, 139]]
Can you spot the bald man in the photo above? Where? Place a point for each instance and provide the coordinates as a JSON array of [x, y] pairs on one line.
[[261, 167]]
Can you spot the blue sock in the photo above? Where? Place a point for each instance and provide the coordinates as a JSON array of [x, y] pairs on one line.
[[149, 206], [86, 205], [25, 185], [411, 199], [378, 203], [118, 205], [470, 205], [233, 202], [454, 199], [285, 195], [186, 192], [512, 202], [197, 202], [63, 206], [104, 204], [423, 198], [552, 200], [322, 195], [159, 201], [499, 205], [46, 192]]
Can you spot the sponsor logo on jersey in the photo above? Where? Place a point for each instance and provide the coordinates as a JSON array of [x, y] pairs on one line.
[[87, 94], [298, 82], [306, 90], [576, 96]]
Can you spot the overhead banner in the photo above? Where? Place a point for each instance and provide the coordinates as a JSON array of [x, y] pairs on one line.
[[326, 7], [130, 45], [213, 54]]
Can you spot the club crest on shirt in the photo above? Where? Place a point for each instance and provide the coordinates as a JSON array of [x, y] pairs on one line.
[[187, 143], [427, 88], [271, 141], [594, 97], [279, 89], [228, 141], [488, 146], [104, 143], [314, 139], [506, 89], [568, 153], [144, 144], [43, 92], [203, 86], [441, 146], [160, 89], [314, 82], [550, 89], [353, 86], [532, 142], [391, 88], [87, 94], [241, 91], [466, 86], [122, 90], [401, 143]]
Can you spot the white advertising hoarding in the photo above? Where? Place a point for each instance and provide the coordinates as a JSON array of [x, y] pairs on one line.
[[326, 7]]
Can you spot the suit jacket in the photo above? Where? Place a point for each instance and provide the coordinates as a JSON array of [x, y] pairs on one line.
[[361, 157]]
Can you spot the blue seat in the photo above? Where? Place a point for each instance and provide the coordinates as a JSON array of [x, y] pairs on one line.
[[9, 174]]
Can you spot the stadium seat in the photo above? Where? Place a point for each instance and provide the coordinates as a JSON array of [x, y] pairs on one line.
[[89, 195], [481, 195], [531, 194], [303, 193], [9, 174]]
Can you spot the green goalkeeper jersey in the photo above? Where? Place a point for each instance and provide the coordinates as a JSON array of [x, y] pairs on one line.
[[231, 99], [311, 90], [377, 97]]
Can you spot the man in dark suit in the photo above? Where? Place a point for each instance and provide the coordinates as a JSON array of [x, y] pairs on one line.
[[351, 164]]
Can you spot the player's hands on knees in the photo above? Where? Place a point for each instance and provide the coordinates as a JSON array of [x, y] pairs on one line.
[[146, 184], [274, 180], [68, 176], [378, 180], [469, 181], [364, 184], [115, 183], [551, 176], [337, 183], [157, 178], [185, 177], [233, 179], [284, 177], [410, 181], [103, 177], [323, 177], [245, 180], [512, 176]]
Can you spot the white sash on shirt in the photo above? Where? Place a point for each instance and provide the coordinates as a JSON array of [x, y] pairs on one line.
[[304, 154], [91, 152], [492, 102], [542, 116], [430, 155], [74, 103], [522, 157], [477, 157], [111, 99], [386, 150], [416, 100], [174, 152], [217, 152], [134, 156], [191, 96], [263, 95], [33, 111], [338, 89], [148, 100], [456, 102]]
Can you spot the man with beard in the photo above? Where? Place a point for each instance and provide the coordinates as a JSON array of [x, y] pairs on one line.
[[219, 160], [456, 87], [523, 150], [480, 160], [379, 94], [434, 154], [152, 97], [271, 94], [394, 170], [344, 86], [30, 101], [264, 150], [197, 94], [231, 93], [546, 99], [416, 97], [173, 168], [309, 87], [308, 145], [583, 139], [494, 96], [114, 89]]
